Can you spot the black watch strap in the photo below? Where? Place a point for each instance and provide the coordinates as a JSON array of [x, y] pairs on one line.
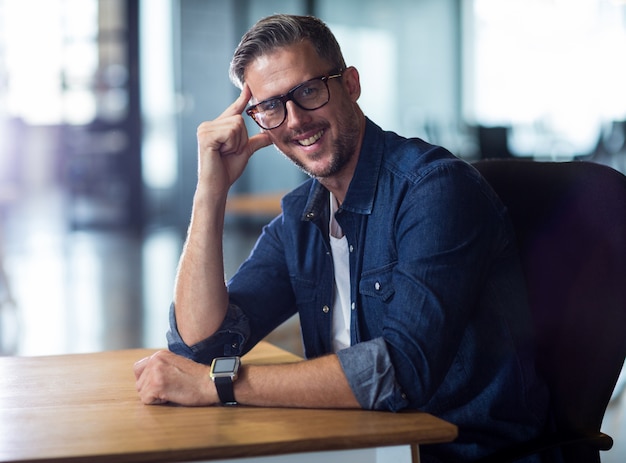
[[224, 386]]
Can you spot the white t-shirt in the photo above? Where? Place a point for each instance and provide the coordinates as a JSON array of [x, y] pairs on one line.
[[341, 297]]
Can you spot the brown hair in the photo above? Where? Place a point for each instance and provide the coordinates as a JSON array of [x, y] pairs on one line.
[[282, 30]]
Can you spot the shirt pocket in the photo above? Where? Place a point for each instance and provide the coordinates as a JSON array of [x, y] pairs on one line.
[[378, 283]]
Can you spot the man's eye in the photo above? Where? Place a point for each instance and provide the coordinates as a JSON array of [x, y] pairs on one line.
[[308, 92], [271, 105]]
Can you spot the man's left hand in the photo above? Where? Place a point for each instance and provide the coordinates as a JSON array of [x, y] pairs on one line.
[[166, 377]]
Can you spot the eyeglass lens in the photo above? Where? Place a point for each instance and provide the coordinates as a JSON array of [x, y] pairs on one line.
[[309, 95]]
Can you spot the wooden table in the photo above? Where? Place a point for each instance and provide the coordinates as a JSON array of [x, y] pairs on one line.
[[255, 205], [84, 407]]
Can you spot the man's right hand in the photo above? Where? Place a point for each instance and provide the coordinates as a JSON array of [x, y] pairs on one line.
[[224, 147]]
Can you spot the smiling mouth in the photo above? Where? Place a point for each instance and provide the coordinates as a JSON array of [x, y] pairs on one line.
[[309, 141]]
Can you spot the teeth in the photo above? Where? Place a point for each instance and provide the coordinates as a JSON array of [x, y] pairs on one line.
[[309, 141]]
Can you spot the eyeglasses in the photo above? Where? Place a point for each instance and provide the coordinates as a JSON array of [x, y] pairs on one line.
[[309, 95]]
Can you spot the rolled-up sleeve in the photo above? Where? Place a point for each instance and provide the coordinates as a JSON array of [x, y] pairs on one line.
[[229, 339], [371, 376]]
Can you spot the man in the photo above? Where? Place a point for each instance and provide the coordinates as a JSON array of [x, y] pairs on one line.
[[398, 257]]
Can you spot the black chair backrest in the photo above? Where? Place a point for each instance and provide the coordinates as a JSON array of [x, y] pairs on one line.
[[570, 220]]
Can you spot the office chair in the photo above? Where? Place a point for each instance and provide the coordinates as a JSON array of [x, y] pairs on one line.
[[570, 220], [493, 142]]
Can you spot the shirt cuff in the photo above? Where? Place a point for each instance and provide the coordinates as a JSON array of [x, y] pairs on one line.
[[371, 376], [228, 340]]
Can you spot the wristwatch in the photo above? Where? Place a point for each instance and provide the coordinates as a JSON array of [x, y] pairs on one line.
[[224, 371]]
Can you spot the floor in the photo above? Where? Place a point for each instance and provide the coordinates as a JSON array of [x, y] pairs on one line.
[[81, 291]]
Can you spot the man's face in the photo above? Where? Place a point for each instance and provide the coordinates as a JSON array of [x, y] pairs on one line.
[[322, 141]]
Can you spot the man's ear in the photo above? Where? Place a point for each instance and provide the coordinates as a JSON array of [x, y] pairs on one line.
[[352, 82]]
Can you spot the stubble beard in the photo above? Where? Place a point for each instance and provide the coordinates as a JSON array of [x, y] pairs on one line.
[[342, 150]]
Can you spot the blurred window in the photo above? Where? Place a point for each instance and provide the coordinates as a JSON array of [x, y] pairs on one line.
[[48, 60], [554, 70]]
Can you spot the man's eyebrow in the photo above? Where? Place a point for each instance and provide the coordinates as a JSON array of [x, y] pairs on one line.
[[280, 95], [275, 97]]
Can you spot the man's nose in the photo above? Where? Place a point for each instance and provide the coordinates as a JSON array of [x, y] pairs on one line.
[[296, 116]]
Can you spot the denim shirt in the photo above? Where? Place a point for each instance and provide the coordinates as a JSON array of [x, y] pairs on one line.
[[439, 318]]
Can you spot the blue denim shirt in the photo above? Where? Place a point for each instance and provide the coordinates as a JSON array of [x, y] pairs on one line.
[[439, 315]]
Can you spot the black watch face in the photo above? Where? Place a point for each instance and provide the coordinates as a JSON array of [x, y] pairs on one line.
[[225, 365]]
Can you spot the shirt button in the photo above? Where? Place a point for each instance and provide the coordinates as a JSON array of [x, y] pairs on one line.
[[325, 309], [353, 306], [377, 286], [351, 248], [310, 215]]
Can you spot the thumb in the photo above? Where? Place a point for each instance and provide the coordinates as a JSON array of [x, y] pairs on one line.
[[139, 366], [258, 141]]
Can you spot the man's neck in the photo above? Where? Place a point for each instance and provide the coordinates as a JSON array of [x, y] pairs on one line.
[[338, 186]]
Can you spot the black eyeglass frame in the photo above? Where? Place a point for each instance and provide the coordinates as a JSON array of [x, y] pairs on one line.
[[289, 96]]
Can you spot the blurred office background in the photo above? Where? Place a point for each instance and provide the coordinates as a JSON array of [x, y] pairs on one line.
[[100, 100]]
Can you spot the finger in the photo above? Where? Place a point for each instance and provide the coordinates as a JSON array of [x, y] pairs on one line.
[[140, 366], [239, 143], [150, 398], [239, 104], [258, 141]]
